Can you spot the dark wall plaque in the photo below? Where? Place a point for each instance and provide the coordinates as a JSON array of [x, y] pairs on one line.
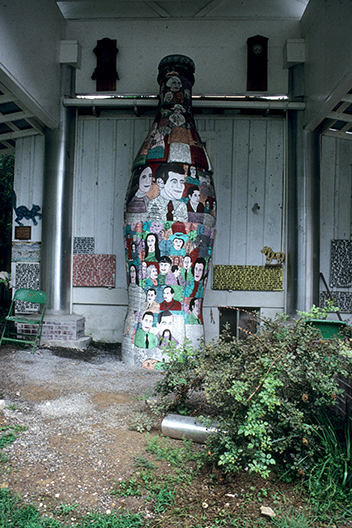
[[23, 232]]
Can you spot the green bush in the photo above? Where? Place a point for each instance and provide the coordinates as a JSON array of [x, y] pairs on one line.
[[265, 392], [180, 377], [330, 480], [7, 164]]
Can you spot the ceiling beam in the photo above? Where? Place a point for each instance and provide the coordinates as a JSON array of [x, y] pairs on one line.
[[157, 9], [209, 8], [7, 98], [18, 134], [8, 145], [15, 116], [339, 116], [338, 134]]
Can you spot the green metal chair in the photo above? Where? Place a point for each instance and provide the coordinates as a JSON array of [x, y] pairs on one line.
[[9, 332]]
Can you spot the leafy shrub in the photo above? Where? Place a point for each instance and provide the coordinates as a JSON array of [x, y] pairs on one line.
[[318, 312], [141, 422], [265, 391], [330, 480], [181, 379], [7, 165]]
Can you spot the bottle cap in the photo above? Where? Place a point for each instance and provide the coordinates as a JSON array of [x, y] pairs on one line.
[[180, 64]]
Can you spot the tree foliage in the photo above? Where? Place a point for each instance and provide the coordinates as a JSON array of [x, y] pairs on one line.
[[7, 164]]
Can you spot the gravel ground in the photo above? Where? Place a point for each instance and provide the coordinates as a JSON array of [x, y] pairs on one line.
[[77, 407]]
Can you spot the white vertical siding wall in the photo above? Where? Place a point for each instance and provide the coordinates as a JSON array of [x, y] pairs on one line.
[[28, 179], [249, 171], [28, 186], [248, 159], [335, 199]]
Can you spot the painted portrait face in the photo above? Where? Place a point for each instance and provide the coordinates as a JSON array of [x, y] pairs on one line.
[[151, 296], [178, 243], [166, 322], [174, 84], [147, 322], [196, 307], [133, 247], [173, 188], [177, 111], [187, 262], [133, 275], [168, 295], [198, 271], [195, 198], [164, 268], [145, 180], [144, 267], [168, 97], [193, 172], [151, 243], [153, 272]]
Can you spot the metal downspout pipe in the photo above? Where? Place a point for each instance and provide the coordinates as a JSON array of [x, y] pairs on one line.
[[57, 204], [303, 221], [312, 172]]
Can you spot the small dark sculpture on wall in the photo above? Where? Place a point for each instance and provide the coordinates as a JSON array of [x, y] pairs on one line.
[[22, 211], [271, 255], [105, 73]]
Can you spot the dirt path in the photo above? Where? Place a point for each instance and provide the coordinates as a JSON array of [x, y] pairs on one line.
[[77, 408]]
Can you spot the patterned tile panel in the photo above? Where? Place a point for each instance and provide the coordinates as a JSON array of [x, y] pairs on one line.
[[84, 245], [27, 276], [94, 270], [341, 264], [26, 252], [342, 299], [248, 278]]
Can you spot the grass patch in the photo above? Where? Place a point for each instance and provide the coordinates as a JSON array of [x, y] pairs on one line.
[[9, 433], [13, 514], [174, 490]]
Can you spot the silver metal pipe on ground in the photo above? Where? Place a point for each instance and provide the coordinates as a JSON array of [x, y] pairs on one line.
[[178, 426]]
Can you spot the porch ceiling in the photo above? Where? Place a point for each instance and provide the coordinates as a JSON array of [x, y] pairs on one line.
[[15, 121], [257, 9], [338, 122]]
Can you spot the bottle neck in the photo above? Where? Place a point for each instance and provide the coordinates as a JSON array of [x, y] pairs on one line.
[[176, 90]]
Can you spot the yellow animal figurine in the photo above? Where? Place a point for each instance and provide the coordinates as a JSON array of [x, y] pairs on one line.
[[271, 255]]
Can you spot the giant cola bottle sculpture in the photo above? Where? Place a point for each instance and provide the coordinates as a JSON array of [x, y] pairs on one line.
[[169, 224]]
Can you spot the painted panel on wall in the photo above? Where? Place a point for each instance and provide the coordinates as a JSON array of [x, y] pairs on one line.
[[252, 278], [27, 276], [341, 264], [83, 245], [25, 252], [94, 270], [343, 300]]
